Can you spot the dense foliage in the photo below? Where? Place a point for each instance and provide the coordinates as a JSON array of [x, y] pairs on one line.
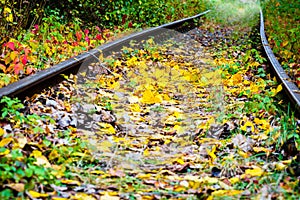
[[283, 31], [137, 13]]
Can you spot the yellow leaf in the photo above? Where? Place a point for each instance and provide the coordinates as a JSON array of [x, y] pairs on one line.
[[234, 180], [2, 131], [135, 107], [5, 152], [5, 141], [212, 153], [144, 176], [254, 172], [53, 154], [40, 159], [107, 128], [7, 10], [35, 194], [243, 154], [262, 149], [19, 187], [70, 182], [79, 154], [280, 166], [287, 161], [179, 129], [13, 55], [10, 18], [97, 172], [279, 88], [105, 146], [236, 79], [146, 152], [179, 188], [248, 126], [180, 161], [8, 15], [284, 43], [209, 180], [83, 196], [149, 97], [59, 198], [226, 192], [106, 196]]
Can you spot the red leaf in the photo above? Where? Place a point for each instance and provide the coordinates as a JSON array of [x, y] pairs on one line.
[[17, 68], [36, 27], [79, 36], [124, 19], [11, 45], [99, 37], [24, 59], [87, 39], [130, 25]]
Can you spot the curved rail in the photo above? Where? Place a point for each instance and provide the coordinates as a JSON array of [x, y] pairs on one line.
[[291, 89], [42, 79]]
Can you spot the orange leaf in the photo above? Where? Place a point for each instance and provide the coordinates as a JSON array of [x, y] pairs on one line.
[[11, 45], [28, 70], [3, 68], [17, 68]]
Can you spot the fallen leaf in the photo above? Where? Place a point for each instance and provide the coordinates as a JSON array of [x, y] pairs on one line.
[[40, 159], [226, 192], [257, 171], [149, 97], [35, 194], [248, 127], [19, 187], [22, 141], [106, 196], [211, 153], [83, 196], [70, 182], [5, 141]]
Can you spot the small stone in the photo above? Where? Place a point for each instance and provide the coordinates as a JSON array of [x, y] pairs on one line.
[[51, 103]]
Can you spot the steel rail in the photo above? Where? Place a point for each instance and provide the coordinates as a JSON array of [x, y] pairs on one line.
[[28, 85], [290, 87]]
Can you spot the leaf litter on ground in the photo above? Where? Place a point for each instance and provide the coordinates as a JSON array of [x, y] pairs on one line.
[[197, 116]]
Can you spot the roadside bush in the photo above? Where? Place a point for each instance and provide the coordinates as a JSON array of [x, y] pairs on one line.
[[282, 19], [131, 13], [17, 15]]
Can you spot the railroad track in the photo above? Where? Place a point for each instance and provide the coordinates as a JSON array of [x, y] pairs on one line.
[[42, 79], [290, 87], [154, 110]]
